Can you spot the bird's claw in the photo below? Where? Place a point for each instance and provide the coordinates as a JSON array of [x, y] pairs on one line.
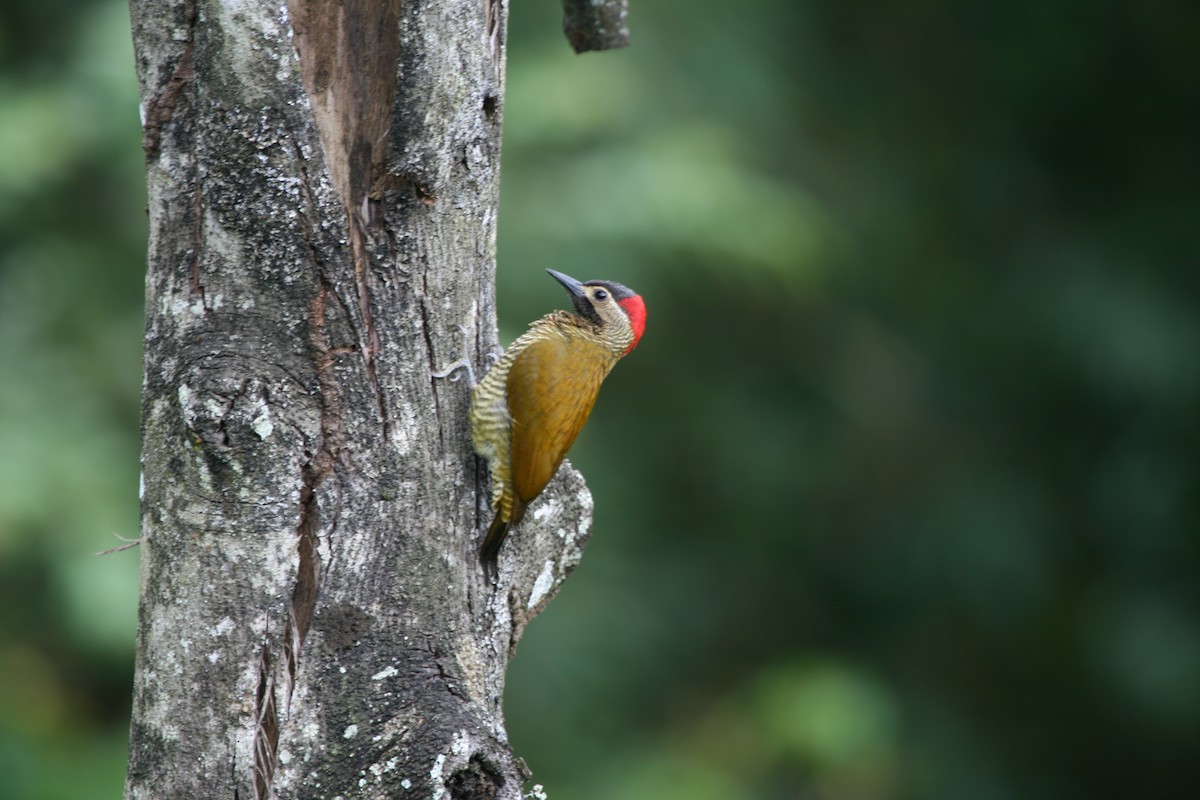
[[451, 371]]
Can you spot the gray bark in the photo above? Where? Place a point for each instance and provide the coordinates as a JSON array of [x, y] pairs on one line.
[[314, 621]]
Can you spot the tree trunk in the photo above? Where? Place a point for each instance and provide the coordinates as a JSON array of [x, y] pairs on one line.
[[314, 621]]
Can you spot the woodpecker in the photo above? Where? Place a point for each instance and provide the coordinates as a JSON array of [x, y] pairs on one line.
[[532, 403]]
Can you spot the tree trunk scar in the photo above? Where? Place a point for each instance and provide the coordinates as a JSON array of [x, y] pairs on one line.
[[348, 54], [161, 108]]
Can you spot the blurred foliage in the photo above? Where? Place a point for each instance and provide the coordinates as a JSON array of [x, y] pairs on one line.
[[897, 498], [72, 255]]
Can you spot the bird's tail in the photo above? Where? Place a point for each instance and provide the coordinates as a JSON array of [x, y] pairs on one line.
[[491, 544]]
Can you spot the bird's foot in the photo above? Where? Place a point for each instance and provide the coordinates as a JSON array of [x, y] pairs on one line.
[[494, 354], [451, 370]]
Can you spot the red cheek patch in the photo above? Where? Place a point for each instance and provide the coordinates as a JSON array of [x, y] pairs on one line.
[[635, 309]]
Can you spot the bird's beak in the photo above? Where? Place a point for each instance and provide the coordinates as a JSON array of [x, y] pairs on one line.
[[570, 284]]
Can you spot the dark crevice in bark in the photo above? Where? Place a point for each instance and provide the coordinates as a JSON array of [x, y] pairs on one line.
[[308, 579], [480, 779], [447, 679], [197, 235], [321, 463], [266, 731], [310, 201], [370, 335], [483, 496], [514, 633], [314, 472], [423, 194], [427, 330], [397, 182], [162, 107]]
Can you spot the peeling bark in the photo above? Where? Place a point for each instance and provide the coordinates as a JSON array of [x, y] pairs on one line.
[[314, 621]]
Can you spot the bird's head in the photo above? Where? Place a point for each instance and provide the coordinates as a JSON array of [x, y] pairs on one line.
[[617, 310]]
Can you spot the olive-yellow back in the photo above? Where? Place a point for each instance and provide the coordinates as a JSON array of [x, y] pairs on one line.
[[532, 403]]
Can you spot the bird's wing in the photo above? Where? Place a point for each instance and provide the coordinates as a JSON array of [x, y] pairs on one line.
[[552, 387]]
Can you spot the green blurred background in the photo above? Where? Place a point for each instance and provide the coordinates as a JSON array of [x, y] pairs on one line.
[[898, 498]]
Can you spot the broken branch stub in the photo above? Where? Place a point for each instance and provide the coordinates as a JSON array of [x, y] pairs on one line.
[[596, 24]]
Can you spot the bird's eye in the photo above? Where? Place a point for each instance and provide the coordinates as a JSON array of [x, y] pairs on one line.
[[600, 294]]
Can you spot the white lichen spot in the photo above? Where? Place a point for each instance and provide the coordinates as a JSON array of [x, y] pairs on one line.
[[585, 499], [386, 672], [180, 306], [406, 784], [391, 765], [543, 584], [536, 793], [311, 730], [435, 777], [213, 657], [185, 395], [543, 511], [362, 782], [401, 437], [215, 408], [342, 670], [285, 756], [141, 485], [262, 423], [351, 732], [221, 628]]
